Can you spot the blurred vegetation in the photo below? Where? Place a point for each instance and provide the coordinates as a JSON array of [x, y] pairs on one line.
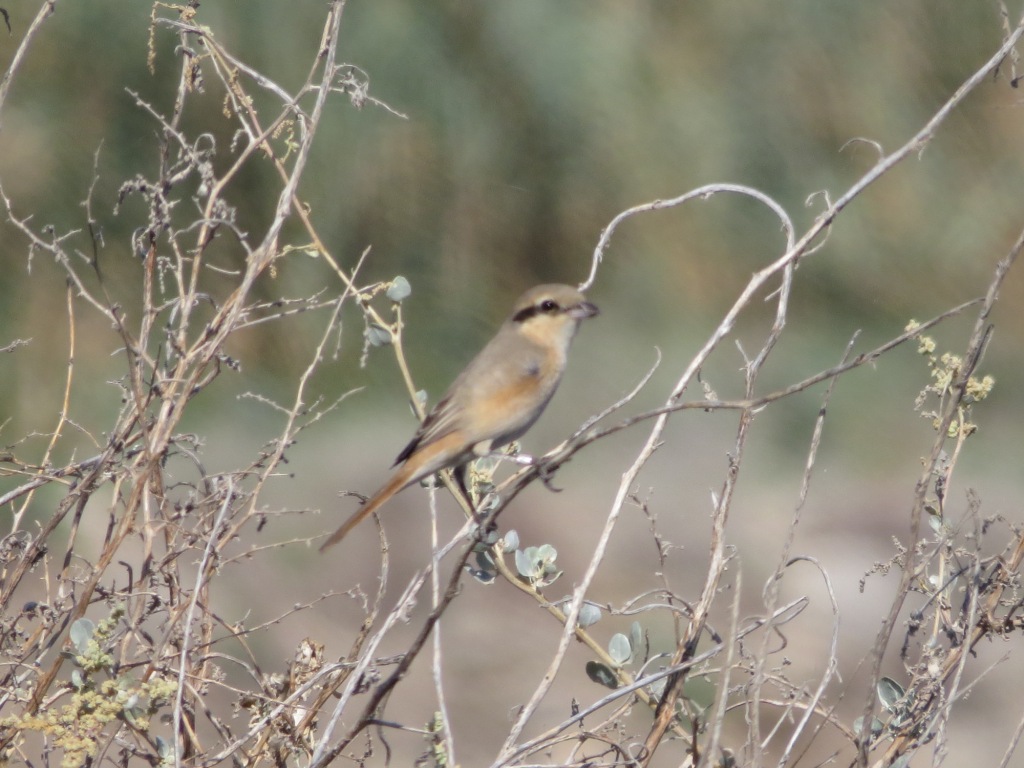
[[532, 123], [509, 134], [529, 125]]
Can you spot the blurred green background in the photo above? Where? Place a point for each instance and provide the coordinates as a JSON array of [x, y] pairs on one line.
[[530, 125]]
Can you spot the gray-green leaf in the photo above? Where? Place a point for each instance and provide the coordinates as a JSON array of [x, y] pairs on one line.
[[889, 693], [589, 615], [163, 748], [481, 575], [599, 673], [490, 538], [399, 289], [547, 553], [484, 560], [81, 633], [526, 562], [636, 637], [877, 726], [618, 648], [377, 335], [510, 542]]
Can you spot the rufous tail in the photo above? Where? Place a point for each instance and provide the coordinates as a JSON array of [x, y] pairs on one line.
[[397, 482]]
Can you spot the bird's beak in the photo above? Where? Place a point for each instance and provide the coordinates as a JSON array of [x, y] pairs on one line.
[[582, 310]]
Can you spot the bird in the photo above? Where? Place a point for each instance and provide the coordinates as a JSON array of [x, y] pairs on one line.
[[497, 397]]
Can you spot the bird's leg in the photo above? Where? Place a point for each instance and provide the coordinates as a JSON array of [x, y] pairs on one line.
[[545, 474], [459, 476]]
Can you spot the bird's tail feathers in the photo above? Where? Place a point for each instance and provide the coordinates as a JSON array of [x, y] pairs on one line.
[[397, 482]]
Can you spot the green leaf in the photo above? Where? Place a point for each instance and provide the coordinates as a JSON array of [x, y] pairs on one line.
[[481, 575], [399, 290], [484, 560], [81, 633], [486, 572], [377, 335], [536, 564], [889, 693], [600, 674], [589, 615], [133, 714], [490, 538], [526, 562], [164, 749], [877, 726], [636, 637], [510, 542], [546, 553], [618, 648]]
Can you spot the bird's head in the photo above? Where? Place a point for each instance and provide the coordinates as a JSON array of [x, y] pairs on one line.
[[551, 314]]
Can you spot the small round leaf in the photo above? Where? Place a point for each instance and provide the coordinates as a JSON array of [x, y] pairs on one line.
[[377, 335], [81, 633], [526, 562], [490, 538], [510, 542], [484, 560], [589, 615], [481, 575], [889, 693], [547, 553], [599, 673], [164, 748], [399, 289], [636, 636], [877, 726], [618, 648]]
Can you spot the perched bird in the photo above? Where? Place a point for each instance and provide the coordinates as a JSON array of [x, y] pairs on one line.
[[496, 398]]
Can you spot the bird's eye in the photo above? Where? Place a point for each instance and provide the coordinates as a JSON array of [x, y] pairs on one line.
[[549, 305]]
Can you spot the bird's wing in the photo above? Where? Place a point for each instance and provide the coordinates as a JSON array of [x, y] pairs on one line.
[[441, 421], [481, 382]]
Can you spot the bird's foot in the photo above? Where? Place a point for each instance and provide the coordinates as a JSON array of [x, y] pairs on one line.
[[546, 475], [544, 472]]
